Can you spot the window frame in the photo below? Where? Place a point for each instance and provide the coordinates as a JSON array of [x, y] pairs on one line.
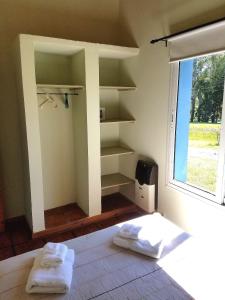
[[219, 195]]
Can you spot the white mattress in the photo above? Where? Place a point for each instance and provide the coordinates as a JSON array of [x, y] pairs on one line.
[[105, 271]]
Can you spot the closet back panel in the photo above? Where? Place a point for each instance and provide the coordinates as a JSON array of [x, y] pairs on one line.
[[53, 68], [109, 132], [113, 72], [109, 165], [109, 99], [108, 71], [109, 135], [63, 158], [58, 153]]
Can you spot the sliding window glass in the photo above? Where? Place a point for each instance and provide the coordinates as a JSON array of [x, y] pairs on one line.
[[197, 119]]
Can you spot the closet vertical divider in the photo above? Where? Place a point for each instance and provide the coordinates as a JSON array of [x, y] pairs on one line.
[[93, 129], [33, 178], [80, 132], [87, 131]]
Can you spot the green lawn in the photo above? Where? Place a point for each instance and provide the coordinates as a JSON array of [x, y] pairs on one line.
[[203, 135], [202, 171]]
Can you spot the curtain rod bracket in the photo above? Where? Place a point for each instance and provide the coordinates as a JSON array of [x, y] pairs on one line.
[[160, 40], [166, 42]]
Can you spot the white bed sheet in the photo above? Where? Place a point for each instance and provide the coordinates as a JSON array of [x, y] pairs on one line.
[[104, 271]]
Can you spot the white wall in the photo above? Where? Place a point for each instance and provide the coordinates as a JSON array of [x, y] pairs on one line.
[[94, 21], [142, 21], [97, 21]]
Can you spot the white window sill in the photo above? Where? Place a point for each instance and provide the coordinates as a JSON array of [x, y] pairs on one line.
[[210, 200]]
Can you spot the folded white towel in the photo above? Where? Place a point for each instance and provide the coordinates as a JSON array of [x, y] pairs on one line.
[[129, 231], [52, 248], [51, 280], [152, 236], [145, 247], [53, 255]]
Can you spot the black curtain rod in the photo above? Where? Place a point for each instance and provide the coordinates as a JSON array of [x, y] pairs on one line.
[[165, 38]]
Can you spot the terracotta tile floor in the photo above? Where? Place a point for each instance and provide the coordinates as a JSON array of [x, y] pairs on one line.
[[110, 202], [63, 214], [17, 239], [72, 212]]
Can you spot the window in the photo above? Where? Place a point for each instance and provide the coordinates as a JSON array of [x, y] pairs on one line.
[[197, 126]]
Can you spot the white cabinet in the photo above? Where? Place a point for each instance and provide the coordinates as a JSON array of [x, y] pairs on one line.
[[145, 196], [62, 85]]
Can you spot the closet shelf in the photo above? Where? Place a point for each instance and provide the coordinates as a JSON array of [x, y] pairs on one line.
[[114, 180], [114, 121], [116, 150], [60, 86], [118, 88]]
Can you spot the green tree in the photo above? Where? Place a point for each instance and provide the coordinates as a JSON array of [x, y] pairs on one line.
[[194, 95], [207, 88]]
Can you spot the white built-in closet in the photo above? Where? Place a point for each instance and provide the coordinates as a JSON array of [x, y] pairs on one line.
[[69, 154]]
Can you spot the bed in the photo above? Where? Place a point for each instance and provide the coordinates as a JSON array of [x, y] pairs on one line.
[[104, 271]]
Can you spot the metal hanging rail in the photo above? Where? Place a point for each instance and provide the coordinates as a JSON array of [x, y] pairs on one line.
[[63, 94], [166, 37], [66, 100]]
